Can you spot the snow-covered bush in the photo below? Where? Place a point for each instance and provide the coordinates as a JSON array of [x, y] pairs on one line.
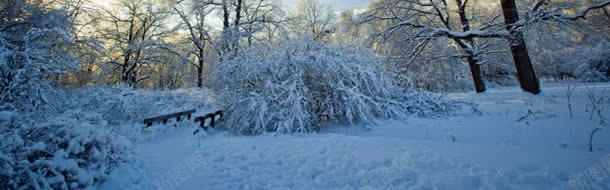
[[73, 151], [81, 143], [128, 105], [595, 69], [446, 74], [301, 84], [34, 47]]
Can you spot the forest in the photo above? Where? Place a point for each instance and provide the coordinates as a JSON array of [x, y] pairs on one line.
[[429, 77]]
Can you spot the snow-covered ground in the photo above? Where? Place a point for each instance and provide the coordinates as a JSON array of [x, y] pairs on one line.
[[498, 147]]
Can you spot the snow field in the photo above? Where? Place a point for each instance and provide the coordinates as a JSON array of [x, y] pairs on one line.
[[468, 151]]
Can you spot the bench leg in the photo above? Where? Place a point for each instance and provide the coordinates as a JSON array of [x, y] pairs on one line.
[[178, 119], [164, 121], [202, 125], [212, 121], [189, 116]]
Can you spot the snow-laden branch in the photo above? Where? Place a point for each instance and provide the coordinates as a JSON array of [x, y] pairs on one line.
[[539, 14], [418, 17], [301, 84], [556, 14], [25, 60]]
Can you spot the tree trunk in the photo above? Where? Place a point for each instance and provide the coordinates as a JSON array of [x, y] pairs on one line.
[[225, 29], [475, 69], [525, 70], [127, 54], [235, 39], [225, 13], [200, 69], [238, 13]]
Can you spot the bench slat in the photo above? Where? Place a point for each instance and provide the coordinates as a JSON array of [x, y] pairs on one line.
[[165, 118]]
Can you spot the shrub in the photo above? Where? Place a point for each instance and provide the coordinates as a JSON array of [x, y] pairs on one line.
[[74, 151], [127, 105], [595, 69], [34, 47], [301, 84]]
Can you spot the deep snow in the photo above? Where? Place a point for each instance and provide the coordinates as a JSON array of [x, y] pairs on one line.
[[492, 149]]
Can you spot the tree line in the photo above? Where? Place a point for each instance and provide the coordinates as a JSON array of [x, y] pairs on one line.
[[171, 44]]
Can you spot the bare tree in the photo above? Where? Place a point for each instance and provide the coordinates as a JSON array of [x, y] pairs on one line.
[[432, 19], [229, 40], [525, 70], [261, 16], [88, 50], [193, 14], [35, 41], [133, 35], [314, 19], [428, 20]]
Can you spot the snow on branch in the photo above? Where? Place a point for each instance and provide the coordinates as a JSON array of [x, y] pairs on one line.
[[556, 14], [432, 19], [301, 84], [26, 62], [539, 13]]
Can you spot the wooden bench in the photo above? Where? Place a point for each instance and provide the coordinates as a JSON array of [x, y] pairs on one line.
[[212, 117], [164, 118]]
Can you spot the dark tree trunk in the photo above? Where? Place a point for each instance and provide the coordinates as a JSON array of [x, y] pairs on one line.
[[235, 40], [238, 13], [200, 69], [225, 28], [130, 38], [475, 69], [525, 70], [225, 14]]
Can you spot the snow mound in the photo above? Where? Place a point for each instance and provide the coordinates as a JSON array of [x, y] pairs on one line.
[[301, 84], [72, 151]]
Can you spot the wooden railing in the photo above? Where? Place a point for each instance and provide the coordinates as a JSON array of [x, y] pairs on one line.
[[164, 118], [212, 117]]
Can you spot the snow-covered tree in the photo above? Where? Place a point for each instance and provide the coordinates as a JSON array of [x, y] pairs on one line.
[[88, 49], [133, 34], [464, 21], [313, 19], [253, 18], [423, 21], [35, 45], [71, 151], [194, 16], [303, 83]]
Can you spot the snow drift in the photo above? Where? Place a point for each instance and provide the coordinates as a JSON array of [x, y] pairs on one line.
[[301, 84], [72, 151], [88, 136]]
